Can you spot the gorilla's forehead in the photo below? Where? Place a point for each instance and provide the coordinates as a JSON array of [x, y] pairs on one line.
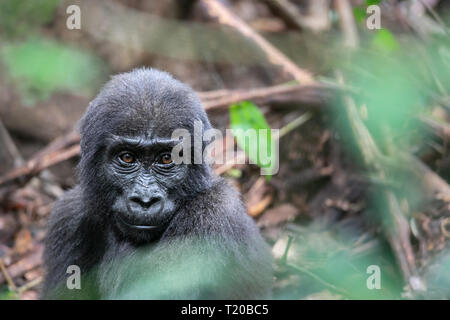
[[148, 124], [144, 102]]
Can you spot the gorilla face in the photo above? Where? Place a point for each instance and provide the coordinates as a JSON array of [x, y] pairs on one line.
[[126, 168], [148, 179]]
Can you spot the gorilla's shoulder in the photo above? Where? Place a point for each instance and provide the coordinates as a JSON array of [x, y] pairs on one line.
[[223, 196], [217, 210], [67, 210]]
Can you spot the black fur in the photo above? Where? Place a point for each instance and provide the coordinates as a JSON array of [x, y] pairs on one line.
[[209, 248]]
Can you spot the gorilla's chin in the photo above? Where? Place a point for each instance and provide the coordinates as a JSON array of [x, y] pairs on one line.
[[139, 233]]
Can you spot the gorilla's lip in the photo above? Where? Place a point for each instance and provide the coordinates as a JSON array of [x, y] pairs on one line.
[[136, 226]]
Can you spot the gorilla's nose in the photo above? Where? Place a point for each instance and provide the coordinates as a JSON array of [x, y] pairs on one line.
[[149, 203]]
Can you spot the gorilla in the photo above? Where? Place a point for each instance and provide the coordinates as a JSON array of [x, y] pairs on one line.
[[140, 226]]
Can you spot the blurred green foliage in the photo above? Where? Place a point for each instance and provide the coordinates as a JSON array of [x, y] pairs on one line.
[[6, 294], [437, 276], [334, 258], [384, 40], [392, 95], [39, 67], [19, 17], [197, 264], [246, 116], [398, 81], [360, 14], [372, 2]]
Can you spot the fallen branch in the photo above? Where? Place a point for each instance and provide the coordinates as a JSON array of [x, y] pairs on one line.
[[36, 165], [433, 183], [268, 94], [290, 12], [315, 19], [11, 155], [69, 139], [275, 56]]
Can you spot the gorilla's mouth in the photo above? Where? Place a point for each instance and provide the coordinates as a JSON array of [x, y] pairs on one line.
[[136, 226]]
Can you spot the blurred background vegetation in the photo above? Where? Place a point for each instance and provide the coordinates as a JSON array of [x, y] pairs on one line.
[[364, 163]]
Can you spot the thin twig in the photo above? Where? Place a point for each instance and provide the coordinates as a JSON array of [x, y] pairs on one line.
[[295, 124], [9, 146], [34, 166], [435, 15], [8, 279], [442, 129], [286, 250], [27, 286]]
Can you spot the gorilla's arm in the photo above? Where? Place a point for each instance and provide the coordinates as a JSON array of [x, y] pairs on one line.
[[71, 240]]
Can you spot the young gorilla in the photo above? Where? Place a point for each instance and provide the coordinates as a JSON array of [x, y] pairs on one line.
[[140, 226]]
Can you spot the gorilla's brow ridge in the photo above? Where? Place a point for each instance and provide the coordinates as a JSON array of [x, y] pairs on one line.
[[138, 142]]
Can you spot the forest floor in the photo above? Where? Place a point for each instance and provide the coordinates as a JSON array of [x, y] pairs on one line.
[[353, 196]]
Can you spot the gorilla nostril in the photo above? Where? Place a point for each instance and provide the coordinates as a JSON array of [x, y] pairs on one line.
[[152, 201], [145, 202]]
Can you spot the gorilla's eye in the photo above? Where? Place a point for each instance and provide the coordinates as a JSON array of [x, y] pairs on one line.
[[166, 158], [127, 157]]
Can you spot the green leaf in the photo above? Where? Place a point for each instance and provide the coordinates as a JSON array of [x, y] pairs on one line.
[[234, 173], [6, 294], [372, 2], [385, 41], [360, 14], [253, 133]]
